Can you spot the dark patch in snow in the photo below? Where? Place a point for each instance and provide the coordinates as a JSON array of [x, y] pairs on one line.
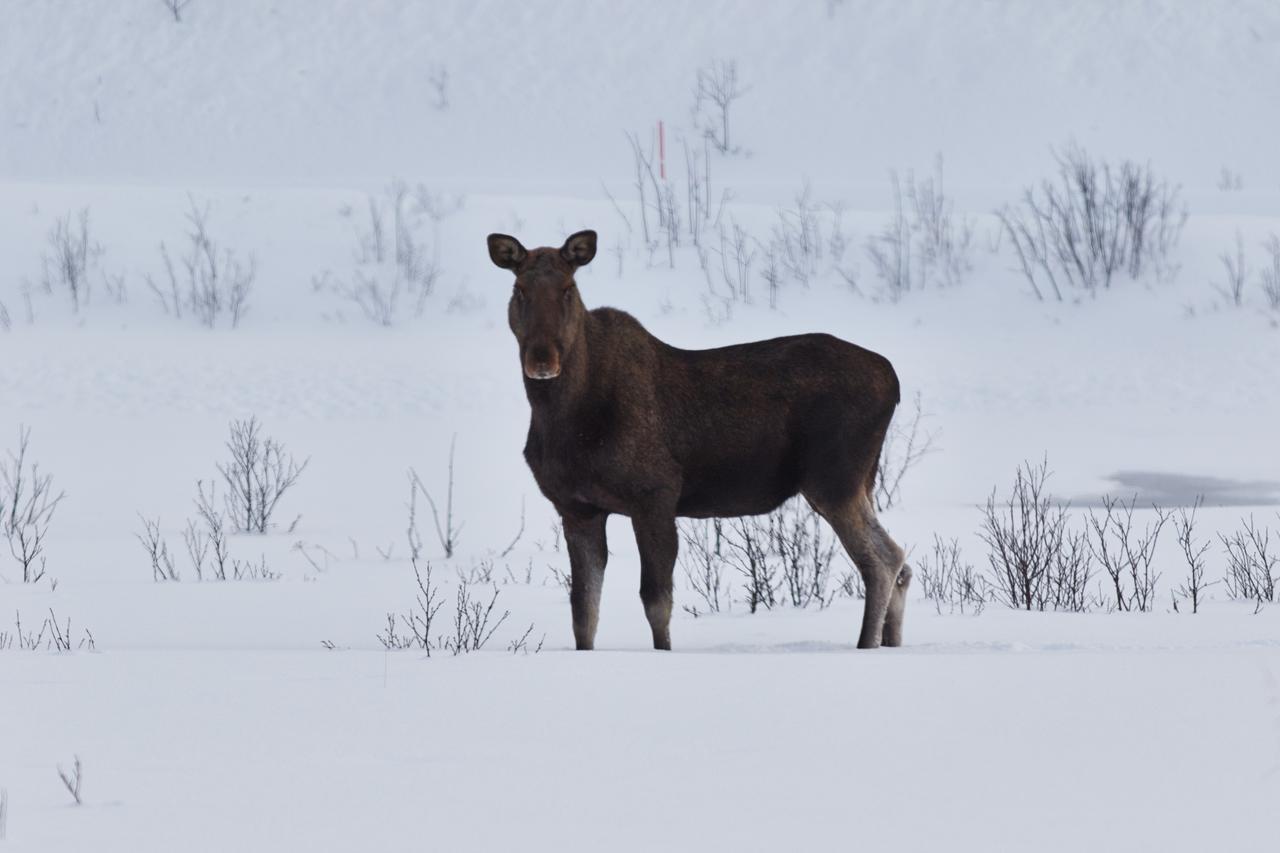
[[1171, 490]]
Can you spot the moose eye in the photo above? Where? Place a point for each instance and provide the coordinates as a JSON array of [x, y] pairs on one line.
[[519, 294], [568, 291]]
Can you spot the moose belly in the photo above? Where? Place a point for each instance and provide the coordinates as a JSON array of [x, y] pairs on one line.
[[737, 486]]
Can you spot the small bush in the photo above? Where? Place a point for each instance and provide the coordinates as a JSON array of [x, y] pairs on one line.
[[73, 780], [905, 444], [1270, 275], [70, 258], [1235, 271], [717, 89], [53, 635], [951, 582], [748, 552], [394, 268], [1193, 588], [704, 565], [162, 566], [258, 475], [925, 243], [1093, 223], [475, 621], [210, 282], [1037, 562], [28, 502], [447, 533], [805, 547], [1252, 563], [784, 557], [1126, 554]]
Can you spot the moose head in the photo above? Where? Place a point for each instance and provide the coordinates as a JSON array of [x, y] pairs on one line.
[[545, 313]]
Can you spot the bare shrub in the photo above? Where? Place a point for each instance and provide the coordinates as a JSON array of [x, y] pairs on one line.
[[951, 582], [197, 543], [438, 78], [519, 533], [70, 257], [669, 218], [248, 570], [704, 565], [796, 243], [393, 266], [162, 567], [1270, 274], [747, 551], [1125, 553], [925, 243], [1095, 221], [771, 274], [417, 620], [1235, 272], [563, 578], [176, 8], [1251, 563], [206, 543], [805, 548], [446, 533], [646, 182], [851, 585], [473, 623], [213, 538], [1036, 560], [1193, 587], [520, 645], [258, 475], [697, 170], [479, 573], [784, 557], [905, 444], [72, 780], [54, 635], [27, 505], [716, 91], [20, 638], [212, 281]]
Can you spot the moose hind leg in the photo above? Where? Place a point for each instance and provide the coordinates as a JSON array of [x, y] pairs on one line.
[[658, 542], [892, 635], [879, 560], [585, 541]]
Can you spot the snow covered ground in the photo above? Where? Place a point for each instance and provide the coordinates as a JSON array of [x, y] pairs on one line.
[[267, 715]]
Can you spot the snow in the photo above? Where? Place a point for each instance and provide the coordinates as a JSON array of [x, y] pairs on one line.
[[211, 716]]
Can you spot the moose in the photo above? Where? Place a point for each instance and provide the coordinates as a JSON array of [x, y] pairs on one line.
[[625, 424]]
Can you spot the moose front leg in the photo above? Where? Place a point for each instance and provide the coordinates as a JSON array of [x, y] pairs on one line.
[[584, 538], [658, 542]]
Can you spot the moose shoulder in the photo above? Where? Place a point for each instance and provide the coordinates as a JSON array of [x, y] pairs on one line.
[[624, 423]]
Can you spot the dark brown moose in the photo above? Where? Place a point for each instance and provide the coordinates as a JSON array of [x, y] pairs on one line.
[[623, 423]]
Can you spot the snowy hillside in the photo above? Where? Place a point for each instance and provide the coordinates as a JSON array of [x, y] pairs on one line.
[[339, 165]]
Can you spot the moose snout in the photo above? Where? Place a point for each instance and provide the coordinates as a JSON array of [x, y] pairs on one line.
[[541, 363]]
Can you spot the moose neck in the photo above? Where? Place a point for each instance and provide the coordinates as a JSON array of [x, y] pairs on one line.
[[555, 400]]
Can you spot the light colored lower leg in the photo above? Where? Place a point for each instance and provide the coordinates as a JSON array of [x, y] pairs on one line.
[[897, 607], [588, 554], [878, 559], [658, 542], [658, 612]]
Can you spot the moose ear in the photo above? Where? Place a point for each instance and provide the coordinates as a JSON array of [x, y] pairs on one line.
[[506, 251], [579, 249]]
